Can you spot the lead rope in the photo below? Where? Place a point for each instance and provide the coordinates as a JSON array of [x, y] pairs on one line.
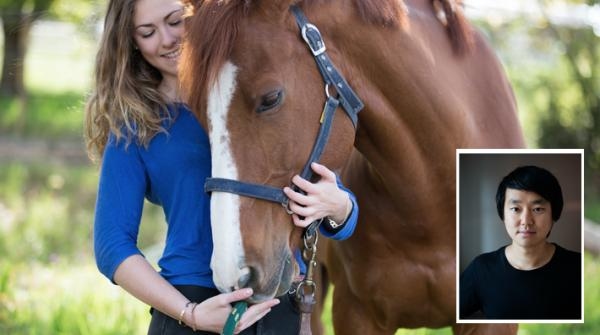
[[234, 317], [305, 289], [304, 292]]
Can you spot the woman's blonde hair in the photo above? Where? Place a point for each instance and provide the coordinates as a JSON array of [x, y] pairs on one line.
[[125, 100]]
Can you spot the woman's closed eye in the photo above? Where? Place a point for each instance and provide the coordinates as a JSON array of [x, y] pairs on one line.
[[146, 32], [175, 23]]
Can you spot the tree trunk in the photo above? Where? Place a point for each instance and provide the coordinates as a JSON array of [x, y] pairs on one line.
[[16, 28]]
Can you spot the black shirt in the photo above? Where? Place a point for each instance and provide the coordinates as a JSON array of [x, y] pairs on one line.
[[491, 285]]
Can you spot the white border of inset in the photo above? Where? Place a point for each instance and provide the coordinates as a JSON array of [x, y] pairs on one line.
[[517, 151]]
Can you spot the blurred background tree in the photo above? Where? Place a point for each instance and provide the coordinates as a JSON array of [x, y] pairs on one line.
[[18, 18], [551, 51], [580, 49]]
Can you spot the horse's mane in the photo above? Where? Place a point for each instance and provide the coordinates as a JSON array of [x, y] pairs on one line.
[[204, 54]]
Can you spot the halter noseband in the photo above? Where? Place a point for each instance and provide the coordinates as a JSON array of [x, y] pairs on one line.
[[346, 96]]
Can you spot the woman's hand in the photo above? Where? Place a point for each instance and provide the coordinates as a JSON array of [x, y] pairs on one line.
[[323, 198], [211, 314]]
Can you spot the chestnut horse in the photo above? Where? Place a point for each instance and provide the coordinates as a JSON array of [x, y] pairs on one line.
[[430, 84]]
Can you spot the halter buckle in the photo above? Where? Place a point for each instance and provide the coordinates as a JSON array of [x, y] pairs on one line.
[[315, 41]]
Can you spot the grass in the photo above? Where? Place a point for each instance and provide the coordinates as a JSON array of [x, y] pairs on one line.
[[46, 213], [67, 299], [48, 281], [42, 208], [44, 114]]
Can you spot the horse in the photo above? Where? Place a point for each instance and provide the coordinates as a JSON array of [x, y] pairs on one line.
[[429, 83]]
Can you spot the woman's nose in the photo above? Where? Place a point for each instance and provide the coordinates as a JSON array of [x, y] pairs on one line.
[[168, 38]]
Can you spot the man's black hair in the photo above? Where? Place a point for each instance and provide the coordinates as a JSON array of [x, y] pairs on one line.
[[533, 179]]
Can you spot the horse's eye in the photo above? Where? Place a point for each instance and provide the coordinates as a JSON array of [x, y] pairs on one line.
[[270, 101]]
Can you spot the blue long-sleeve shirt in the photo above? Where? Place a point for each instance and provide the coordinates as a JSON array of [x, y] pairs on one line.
[[170, 172]]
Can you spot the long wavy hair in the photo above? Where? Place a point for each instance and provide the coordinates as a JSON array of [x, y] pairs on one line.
[[125, 99]]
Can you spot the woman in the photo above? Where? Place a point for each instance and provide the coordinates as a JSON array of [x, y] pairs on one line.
[[151, 147]]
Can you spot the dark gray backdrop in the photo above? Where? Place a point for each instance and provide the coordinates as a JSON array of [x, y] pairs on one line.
[[480, 228]]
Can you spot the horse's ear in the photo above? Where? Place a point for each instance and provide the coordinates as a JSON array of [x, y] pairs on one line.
[[275, 9]]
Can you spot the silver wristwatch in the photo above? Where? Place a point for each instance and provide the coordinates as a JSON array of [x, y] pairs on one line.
[[332, 223]]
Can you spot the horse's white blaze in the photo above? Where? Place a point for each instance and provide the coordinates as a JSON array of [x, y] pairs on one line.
[[228, 252]]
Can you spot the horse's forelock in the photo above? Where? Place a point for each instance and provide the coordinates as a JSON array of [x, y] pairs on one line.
[[211, 32]]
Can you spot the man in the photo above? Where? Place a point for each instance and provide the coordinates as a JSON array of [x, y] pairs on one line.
[[530, 279]]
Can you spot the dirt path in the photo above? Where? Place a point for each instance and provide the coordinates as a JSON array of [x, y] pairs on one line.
[[28, 150]]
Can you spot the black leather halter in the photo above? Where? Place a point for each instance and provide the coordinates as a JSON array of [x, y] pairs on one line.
[[345, 95]]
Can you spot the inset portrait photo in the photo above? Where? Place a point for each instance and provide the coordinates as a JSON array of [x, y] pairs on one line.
[[519, 236]]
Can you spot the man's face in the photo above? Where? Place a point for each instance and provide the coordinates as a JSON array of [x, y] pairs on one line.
[[527, 217]]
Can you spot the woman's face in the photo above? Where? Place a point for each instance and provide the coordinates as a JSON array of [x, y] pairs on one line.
[[158, 29]]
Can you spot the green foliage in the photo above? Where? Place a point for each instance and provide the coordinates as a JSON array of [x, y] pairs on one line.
[[49, 115], [48, 283], [68, 300], [46, 214], [592, 207], [555, 71], [41, 207], [78, 12]]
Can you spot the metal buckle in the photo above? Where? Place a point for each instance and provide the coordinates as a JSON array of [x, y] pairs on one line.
[[320, 42]]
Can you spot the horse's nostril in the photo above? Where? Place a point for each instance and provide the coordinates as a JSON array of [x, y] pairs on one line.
[[245, 276]]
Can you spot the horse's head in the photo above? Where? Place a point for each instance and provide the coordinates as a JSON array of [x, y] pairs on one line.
[[255, 87]]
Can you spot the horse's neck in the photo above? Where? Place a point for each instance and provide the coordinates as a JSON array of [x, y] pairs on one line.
[[417, 90], [422, 101]]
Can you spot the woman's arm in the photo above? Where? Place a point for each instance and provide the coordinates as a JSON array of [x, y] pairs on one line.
[[117, 219], [141, 280]]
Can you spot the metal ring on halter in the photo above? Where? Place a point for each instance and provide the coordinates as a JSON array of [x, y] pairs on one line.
[[286, 206], [327, 90], [308, 239]]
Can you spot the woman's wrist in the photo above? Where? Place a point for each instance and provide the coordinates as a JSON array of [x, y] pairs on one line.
[[188, 315], [342, 216]]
